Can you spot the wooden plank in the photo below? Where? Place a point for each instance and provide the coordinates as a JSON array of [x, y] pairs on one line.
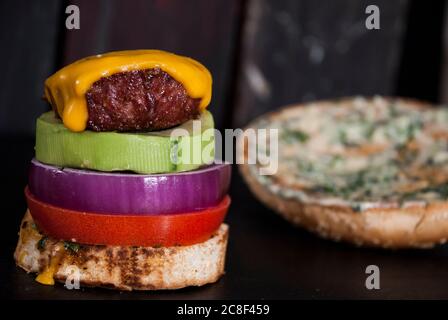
[[202, 29], [303, 50], [29, 39]]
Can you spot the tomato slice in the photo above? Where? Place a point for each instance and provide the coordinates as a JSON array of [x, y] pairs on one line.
[[127, 230]]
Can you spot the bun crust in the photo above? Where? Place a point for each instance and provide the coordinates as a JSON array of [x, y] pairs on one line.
[[413, 225], [126, 268]]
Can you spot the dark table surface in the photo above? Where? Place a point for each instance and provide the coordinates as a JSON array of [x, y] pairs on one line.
[[267, 257]]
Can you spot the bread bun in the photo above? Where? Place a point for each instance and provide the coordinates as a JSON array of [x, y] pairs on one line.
[[126, 268], [386, 222]]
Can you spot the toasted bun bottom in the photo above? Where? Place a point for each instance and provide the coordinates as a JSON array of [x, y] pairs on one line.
[[125, 268], [409, 227]]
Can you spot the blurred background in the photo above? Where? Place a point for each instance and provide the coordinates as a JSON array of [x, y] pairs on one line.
[[263, 54]]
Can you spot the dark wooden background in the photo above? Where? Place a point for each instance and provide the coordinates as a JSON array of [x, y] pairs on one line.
[[263, 54]]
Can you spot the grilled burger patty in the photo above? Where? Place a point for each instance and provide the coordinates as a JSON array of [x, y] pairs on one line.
[[147, 99]]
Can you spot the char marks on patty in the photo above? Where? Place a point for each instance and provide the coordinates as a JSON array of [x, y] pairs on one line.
[[139, 100]]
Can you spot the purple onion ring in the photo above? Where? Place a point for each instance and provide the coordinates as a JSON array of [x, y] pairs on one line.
[[128, 193]]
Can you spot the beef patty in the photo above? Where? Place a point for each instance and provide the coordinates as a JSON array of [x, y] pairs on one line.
[[139, 100]]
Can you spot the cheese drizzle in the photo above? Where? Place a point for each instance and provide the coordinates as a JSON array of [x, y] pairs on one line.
[[66, 89]]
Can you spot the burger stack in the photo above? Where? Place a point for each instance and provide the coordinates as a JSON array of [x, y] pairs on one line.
[[123, 192]]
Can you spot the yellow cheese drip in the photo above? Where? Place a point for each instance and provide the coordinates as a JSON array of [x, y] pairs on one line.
[[66, 89], [47, 276]]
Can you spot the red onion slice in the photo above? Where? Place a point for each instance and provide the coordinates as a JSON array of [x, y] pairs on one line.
[[125, 193]]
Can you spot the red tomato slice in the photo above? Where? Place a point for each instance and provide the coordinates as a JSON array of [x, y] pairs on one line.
[[127, 230]]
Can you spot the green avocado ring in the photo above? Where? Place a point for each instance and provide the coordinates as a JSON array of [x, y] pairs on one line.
[[142, 152]]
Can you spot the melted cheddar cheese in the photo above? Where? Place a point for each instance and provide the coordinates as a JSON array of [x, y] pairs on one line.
[[47, 275], [66, 89]]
